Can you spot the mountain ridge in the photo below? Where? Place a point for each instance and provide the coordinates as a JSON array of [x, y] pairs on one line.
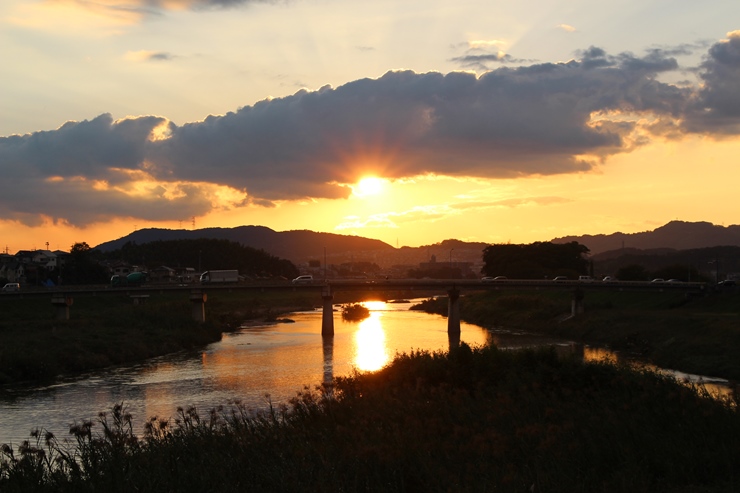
[[677, 235], [300, 246], [294, 245]]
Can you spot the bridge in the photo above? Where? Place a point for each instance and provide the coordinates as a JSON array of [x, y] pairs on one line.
[[453, 287], [62, 297]]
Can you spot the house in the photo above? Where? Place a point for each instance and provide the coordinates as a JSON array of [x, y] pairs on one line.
[[13, 271], [163, 274], [187, 275]]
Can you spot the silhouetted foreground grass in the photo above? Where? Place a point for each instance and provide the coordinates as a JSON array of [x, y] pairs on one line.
[[471, 420]]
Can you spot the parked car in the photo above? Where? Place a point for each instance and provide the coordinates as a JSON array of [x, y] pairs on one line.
[[560, 278], [658, 280], [11, 287], [608, 279], [306, 279]]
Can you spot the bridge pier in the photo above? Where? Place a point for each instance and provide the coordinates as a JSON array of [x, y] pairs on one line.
[[327, 316], [62, 303], [576, 304], [453, 312], [198, 302]]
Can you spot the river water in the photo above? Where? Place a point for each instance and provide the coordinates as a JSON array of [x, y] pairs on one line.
[[255, 365]]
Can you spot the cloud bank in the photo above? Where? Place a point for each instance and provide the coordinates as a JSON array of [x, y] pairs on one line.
[[543, 119]]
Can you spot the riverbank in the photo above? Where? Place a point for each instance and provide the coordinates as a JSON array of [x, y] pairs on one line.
[[466, 420], [109, 330], [699, 335], [105, 331]]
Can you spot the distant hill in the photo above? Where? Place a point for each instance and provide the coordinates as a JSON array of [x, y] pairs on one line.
[[677, 235], [300, 246], [296, 246]]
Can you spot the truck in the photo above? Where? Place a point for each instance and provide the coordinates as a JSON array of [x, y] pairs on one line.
[[133, 279], [219, 276]]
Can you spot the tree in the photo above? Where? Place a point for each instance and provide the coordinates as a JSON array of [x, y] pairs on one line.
[[536, 260], [84, 266]]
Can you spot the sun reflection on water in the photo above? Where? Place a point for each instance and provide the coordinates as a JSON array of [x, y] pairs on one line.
[[371, 353], [374, 305]]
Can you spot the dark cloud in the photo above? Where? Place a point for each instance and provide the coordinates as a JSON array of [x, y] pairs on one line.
[[716, 108], [544, 118]]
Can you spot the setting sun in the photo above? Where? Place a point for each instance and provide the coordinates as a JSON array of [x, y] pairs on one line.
[[369, 185]]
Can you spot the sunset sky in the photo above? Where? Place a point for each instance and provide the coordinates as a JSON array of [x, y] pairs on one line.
[[407, 121]]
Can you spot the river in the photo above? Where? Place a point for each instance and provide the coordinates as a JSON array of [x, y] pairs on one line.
[[255, 365]]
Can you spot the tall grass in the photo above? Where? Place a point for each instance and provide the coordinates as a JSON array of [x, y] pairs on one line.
[[473, 419], [698, 335]]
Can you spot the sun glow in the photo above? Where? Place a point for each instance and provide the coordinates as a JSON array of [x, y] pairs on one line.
[[370, 185]]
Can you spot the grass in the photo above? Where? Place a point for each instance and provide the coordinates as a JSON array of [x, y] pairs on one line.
[[698, 335], [109, 330], [473, 419]]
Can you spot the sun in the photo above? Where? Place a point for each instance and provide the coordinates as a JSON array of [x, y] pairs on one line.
[[370, 185]]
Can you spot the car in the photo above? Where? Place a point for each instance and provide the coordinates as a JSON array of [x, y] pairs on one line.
[[11, 287], [727, 283], [608, 279], [658, 280], [494, 279], [674, 280], [560, 278], [306, 279]]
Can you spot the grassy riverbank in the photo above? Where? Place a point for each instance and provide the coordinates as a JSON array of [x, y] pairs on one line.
[[469, 420], [697, 335], [109, 330]]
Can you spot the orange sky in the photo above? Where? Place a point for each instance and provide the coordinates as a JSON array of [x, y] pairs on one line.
[[484, 123]]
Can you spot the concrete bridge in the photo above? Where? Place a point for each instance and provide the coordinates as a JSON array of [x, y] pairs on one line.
[[454, 287], [62, 298]]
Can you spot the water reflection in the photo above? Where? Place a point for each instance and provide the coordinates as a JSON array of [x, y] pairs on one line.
[[371, 353], [328, 350]]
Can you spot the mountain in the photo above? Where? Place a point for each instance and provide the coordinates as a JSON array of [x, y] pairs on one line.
[[296, 246], [677, 235]]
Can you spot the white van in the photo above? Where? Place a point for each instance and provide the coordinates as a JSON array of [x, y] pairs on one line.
[[303, 280], [11, 287]]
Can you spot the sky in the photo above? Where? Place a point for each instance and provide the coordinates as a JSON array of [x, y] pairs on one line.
[[409, 121]]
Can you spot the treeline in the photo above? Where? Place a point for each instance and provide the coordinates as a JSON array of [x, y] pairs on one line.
[[697, 264], [541, 260], [536, 261], [204, 254]]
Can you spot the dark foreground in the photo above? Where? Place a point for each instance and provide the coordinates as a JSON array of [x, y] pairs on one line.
[[699, 335], [471, 420]]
